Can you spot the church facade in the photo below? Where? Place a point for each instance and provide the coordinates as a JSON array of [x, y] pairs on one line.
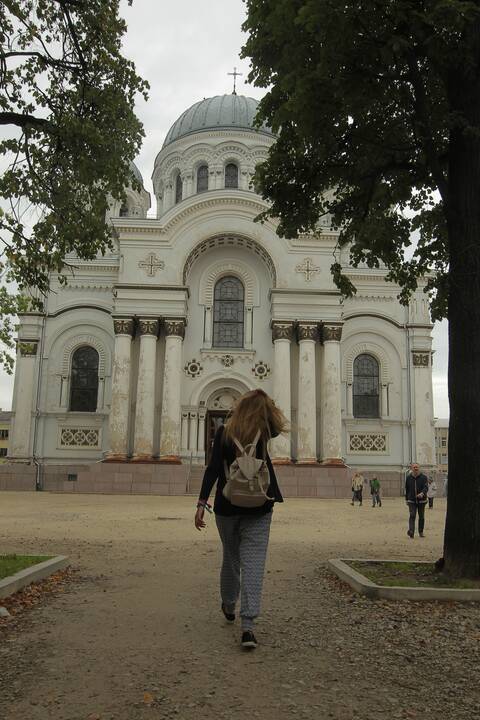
[[140, 356]]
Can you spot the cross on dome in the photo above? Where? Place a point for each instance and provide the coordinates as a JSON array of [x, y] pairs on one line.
[[235, 75]]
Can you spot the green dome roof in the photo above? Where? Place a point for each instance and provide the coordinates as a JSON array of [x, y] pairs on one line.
[[217, 113]]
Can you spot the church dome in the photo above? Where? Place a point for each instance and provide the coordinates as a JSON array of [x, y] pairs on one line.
[[222, 112], [136, 172]]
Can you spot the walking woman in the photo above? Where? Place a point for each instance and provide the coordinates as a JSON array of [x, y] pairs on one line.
[[244, 531]]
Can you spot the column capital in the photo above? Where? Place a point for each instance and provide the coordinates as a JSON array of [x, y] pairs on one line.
[[331, 333], [307, 331], [282, 330], [421, 358], [148, 327], [27, 348], [175, 326], [124, 326]]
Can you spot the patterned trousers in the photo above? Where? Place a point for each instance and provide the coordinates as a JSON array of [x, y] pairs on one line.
[[245, 542]]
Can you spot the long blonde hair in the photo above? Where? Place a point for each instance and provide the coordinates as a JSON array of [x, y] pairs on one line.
[[255, 411]]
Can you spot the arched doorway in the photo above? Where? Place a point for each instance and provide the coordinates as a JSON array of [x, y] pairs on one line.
[[219, 405]]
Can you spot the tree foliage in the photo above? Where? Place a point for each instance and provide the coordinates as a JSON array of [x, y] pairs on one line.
[[376, 104], [66, 103], [360, 102]]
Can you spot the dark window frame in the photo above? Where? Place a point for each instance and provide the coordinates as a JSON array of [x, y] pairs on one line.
[[366, 387], [84, 379], [202, 178], [178, 189], [231, 182], [229, 313]]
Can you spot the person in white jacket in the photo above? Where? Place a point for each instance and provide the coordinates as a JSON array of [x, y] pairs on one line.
[[431, 492]]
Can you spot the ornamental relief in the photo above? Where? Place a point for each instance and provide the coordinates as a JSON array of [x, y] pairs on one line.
[[27, 348], [193, 368], [261, 370], [308, 268], [307, 331], [421, 359], [87, 438], [282, 330], [331, 333], [175, 328], [151, 264], [148, 327], [228, 359], [368, 443], [123, 327]]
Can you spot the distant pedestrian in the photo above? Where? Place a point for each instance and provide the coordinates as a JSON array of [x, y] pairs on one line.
[[357, 488], [375, 490], [416, 488], [445, 486], [431, 492]]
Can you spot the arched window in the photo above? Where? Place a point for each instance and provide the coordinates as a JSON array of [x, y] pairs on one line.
[[231, 176], [84, 380], [124, 210], [228, 313], [178, 189], [202, 178], [366, 387]]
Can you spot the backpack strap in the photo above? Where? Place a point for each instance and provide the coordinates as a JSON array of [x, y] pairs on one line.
[[253, 446], [239, 446]]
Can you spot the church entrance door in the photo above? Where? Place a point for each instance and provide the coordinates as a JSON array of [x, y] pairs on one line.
[[215, 418]]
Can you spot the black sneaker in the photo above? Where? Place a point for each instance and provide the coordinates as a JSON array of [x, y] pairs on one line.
[[410, 534], [248, 640], [421, 534], [229, 617]]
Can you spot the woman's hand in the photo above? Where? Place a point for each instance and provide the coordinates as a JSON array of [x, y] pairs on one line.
[[199, 521]]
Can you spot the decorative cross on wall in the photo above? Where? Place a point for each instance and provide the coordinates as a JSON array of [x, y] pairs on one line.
[[235, 75], [308, 268], [151, 264]]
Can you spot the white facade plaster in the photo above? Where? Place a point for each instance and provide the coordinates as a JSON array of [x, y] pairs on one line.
[[154, 407]]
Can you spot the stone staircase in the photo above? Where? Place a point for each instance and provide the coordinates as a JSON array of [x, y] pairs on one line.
[[194, 479]]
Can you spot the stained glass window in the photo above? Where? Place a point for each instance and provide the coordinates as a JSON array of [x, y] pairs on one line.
[[231, 176], [124, 210], [84, 380], [228, 313], [366, 400], [202, 178], [178, 189]]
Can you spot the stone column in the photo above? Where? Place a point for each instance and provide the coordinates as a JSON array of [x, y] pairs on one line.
[[248, 327], [20, 442], [208, 330], [282, 334], [170, 424], [384, 406], [184, 433], [201, 430], [192, 445], [145, 411], [424, 428], [307, 397], [331, 396], [118, 420]]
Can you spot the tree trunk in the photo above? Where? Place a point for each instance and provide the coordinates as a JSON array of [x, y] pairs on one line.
[[462, 529]]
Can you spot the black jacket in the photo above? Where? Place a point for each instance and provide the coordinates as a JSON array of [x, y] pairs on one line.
[[215, 472], [414, 486]]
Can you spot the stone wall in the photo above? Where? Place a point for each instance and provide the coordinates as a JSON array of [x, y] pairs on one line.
[[163, 479]]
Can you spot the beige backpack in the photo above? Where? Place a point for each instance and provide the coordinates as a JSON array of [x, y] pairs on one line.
[[247, 478]]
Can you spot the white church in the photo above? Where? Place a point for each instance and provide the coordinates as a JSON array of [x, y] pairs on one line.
[[136, 361]]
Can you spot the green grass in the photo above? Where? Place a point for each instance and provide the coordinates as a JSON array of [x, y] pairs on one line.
[[11, 564], [410, 574]]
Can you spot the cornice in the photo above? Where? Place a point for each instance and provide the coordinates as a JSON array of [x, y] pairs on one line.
[[212, 199]]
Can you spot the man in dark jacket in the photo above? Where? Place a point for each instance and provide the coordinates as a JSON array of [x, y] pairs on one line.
[[416, 487]]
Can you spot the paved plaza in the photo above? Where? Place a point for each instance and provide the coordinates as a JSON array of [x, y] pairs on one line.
[[138, 633]]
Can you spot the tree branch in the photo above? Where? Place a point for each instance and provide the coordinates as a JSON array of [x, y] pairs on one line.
[[25, 121]]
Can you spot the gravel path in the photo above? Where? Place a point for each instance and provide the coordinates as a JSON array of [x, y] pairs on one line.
[[138, 634]]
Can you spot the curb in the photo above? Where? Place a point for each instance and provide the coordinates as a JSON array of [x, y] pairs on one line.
[[363, 585], [21, 579]]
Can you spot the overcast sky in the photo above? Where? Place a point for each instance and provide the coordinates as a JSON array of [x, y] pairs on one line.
[[185, 50]]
